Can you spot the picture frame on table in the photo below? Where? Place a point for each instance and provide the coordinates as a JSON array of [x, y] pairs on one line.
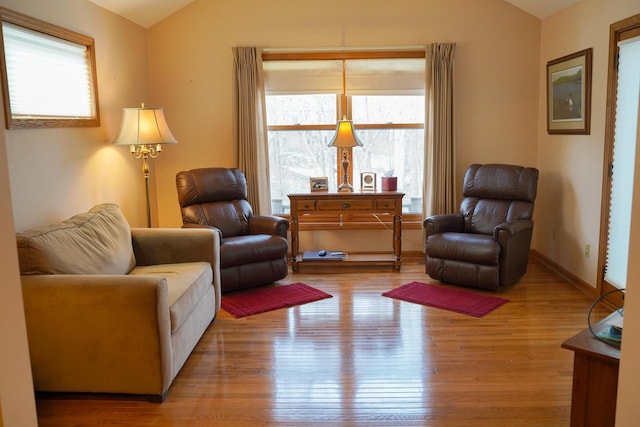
[[367, 181], [319, 183], [569, 94]]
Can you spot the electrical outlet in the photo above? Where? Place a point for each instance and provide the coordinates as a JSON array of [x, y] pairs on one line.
[[587, 250]]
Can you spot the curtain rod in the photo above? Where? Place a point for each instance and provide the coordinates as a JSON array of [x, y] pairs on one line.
[[343, 53]]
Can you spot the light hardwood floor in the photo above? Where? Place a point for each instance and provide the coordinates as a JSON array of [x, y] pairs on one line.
[[360, 359]]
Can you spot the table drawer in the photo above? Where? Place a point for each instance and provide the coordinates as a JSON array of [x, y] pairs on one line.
[[344, 204], [305, 205], [387, 205]]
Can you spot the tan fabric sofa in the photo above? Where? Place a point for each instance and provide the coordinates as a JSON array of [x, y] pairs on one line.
[[114, 309]]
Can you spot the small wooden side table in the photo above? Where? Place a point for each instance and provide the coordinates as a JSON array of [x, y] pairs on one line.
[[595, 377], [342, 210]]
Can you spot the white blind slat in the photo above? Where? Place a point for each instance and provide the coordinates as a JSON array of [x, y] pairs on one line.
[[385, 76], [401, 76], [628, 95], [47, 76], [302, 77]]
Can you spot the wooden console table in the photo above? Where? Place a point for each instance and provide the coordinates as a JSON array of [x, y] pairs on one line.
[[595, 378], [324, 210]]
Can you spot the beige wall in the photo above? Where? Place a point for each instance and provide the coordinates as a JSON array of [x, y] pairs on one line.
[[500, 113], [17, 404], [51, 174], [568, 205], [571, 176], [496, 58], [56, 173]]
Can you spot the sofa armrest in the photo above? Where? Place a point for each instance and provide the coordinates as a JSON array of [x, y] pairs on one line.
[[268, 224], [175, 245], [443, 224], [101, 333], [206, 226]]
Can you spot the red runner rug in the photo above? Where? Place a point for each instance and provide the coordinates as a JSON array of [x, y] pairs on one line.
[[456, 300], [267, 299]]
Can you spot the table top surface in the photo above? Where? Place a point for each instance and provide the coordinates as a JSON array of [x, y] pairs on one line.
[[354, 194], [585, 342]]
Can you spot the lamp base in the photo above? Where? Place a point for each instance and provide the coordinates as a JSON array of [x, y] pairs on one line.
[[345, 187]]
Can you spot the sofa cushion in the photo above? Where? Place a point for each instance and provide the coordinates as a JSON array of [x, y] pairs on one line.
[[187, 283], [94, 242]]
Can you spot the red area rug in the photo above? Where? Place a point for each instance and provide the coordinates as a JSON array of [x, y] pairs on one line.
[[267, 299], [456, 300]]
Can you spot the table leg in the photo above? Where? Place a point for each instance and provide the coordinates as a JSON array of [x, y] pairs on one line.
[[295, 266], [397, 241]]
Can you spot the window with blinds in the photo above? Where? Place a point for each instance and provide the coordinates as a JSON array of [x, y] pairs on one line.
[[385, 99], [49, 75], [623, 166]]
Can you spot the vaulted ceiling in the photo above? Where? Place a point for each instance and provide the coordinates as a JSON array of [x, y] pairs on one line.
[[148, 12]]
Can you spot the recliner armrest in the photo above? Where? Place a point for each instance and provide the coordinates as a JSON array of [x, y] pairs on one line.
[[512, 228], [268, 224], [443, 223]]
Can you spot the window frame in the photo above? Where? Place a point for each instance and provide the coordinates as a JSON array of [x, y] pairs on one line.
[[618, 31], [409, 220], [14, 121]]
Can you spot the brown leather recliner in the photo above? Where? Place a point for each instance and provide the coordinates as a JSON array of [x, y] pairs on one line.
[[487, 244], [253, 248]]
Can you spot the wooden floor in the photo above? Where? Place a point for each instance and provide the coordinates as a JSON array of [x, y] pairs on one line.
[[360, 359]]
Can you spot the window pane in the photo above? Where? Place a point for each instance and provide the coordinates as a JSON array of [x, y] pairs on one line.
[[294, 157], [393, 152], [301, 109], [50, 74], [624, 149], [388, 109]]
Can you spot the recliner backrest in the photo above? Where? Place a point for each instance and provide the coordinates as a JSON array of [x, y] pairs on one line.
[[215, 196], [497, 193]]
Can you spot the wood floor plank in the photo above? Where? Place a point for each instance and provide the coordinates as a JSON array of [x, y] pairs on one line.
[[363, 359]]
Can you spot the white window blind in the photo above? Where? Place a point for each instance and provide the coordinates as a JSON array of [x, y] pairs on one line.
[[302, 77], [47, 76], [401, 76], [626, 125]]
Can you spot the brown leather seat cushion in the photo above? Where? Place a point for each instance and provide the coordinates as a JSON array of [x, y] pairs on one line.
[[251, 248], [464, 247]]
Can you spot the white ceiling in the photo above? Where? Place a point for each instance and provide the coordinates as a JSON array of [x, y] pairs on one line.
[[542, 8], [148, 12], [143, 12]]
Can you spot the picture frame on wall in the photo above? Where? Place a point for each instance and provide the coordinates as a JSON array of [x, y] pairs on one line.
[[319, 183], [569, 94]]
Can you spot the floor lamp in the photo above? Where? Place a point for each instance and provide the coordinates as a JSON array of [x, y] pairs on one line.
[[144, 130]]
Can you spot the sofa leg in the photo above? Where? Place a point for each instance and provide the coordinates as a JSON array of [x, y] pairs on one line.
[[157, 398]]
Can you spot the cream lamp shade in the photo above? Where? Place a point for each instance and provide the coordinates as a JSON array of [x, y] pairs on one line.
[[144, 126], [345, 136]]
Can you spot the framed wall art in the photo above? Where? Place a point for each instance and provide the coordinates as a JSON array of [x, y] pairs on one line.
[[569, 94], [319, 183]]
